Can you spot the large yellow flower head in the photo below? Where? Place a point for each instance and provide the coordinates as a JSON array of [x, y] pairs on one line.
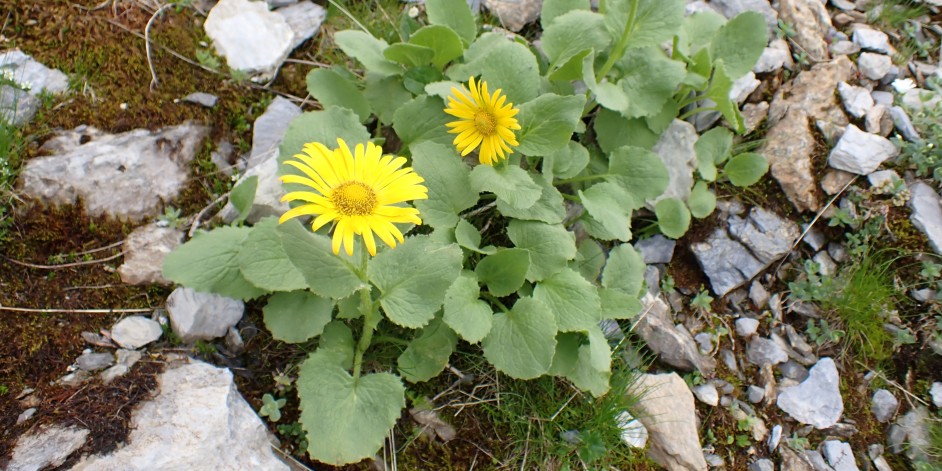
[[484, 120], [359, 190]]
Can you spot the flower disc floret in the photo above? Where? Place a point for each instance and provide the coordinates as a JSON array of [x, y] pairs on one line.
[[485, 120], [361, 191]]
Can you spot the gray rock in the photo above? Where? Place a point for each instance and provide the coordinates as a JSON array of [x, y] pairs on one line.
[[114, 372], [28, 73], [267, 133], [754, 114], [714, 461], [127, 176], [857, 100], [811, 22], [746, 326], [280, 3], [704, 342], [762, 352], [817, 461], [202, 98], [729, 359], [845, 5], [726, 262], [895, 438], [872, 40], [675, 148], [903, 124], [874, 66], [633, 432], [755, 394], [861, 152], [797, 341], [789, 147], [515, 14], [834, 181], [837, 252], [817, 400], [771, 60], [926, 213], [202, 316], [758, 295], [918, 99], [25, 415], [46, 447], [304, 18], [743, 87], [135, 331], [731, 8], [936, 393], [707, 394], [671, 420], [656, 249], [839, 455], [144, 253], [94, 361], [762, 465], [826, 265], [882, 98], [793, 461], [879, 121], [197, 413], [767, 235], [673, 346], [843, 48], [17, 107], [923, 295], [812, 91], [775, 437], [883, 405], [814, 237], [128, 357]]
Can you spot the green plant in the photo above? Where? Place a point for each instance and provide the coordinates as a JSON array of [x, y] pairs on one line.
[[207, 59], [171, 217], [822, 333], [271, 407], [491, 259], [894, 14], [702, 301], [204, 348]]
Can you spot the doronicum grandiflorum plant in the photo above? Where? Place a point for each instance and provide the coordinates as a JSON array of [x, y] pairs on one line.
[[500, 214]]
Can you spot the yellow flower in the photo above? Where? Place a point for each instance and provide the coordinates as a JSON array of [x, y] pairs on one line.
[[359, 190], [483, 120]]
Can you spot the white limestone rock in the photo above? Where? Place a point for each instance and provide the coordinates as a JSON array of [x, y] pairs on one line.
[[135, 331], [144, 253], [857, 100], [817, 400], [861, 152], [671, 420], [202, 316], [47, 447]]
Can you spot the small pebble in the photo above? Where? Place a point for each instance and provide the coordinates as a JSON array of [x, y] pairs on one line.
[[26, 415], [746, 326], [755, 394]]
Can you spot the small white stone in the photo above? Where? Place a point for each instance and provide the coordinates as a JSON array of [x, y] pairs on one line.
[[135, 331], [746, 326], [826, 265], [633, 432], [707, 394], [936, 393], [861, 152], [857, 100], [872, 40], [874, 66]]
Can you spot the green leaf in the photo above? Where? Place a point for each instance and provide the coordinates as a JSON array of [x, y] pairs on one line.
[[573, 69], [504, 271], [448, 181], [503, 64], [719, 90], [324, 126], [698, 31], [702, 200], [549, 208], [413, 278], [584, 359], [571, 298], [551, 246], [614, 131], [611, 206], [655, 21], [409, 55], [639, 171], [332, 89], [567, 162], [646, 96], [572, 33], [510, 183], [442, 40], [297, 316], [208, 262], [746, 169], [417, 78], [712, 148], [336, 345], [554, 8], [386, 95], [589, 259], [522, 342], [624, 270], [346, 418], [242, 196], [455, 14], [740, 42], [468, 236], [672, 217], [366, 49], [326, 274], [442, 89], [423, 118], [428, 353], [467, 315], [617, 304], [547, 123], [264, 262]]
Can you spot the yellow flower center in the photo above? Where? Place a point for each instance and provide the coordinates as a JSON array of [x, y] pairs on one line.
[[485, 122], [354, 199]]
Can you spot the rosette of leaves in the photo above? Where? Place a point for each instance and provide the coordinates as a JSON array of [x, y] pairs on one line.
[[522, 259]]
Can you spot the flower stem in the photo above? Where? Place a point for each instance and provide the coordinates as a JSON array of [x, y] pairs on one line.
[[619, 49], [494, 300], [371, 318]]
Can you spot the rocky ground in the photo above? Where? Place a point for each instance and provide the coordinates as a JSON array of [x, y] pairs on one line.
[[794, 329]]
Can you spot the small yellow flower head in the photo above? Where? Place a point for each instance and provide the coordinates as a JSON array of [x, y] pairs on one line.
[[484, 120], [360, 190]]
